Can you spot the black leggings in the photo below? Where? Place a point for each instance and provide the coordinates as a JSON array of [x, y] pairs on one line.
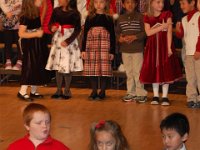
[[11, 37], [94, 83]]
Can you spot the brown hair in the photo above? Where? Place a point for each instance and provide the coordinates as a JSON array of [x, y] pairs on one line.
[[92, 10], [31, 109], [29, 9], [112, 127]]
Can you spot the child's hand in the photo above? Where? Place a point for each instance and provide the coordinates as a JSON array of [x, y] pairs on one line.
[[122, 38], [54, 29], [178, 27], [130, 38], [83, 55], [169, 52], [164, 25], [64, 44], [39, 33], [9, 15], [111, 56], [196, 55]]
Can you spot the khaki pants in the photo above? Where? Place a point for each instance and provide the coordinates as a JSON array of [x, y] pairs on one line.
[[132, 65], [192, 70]]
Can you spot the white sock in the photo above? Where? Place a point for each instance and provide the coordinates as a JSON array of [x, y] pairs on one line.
[[165, 88], [156, 89], [33, 89], [23, 89]]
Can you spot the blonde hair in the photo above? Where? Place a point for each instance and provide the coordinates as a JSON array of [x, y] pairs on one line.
[[92, 10], [149, 10]]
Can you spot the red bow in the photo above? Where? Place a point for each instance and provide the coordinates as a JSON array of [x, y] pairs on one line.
[[63, 27], [100, 124]]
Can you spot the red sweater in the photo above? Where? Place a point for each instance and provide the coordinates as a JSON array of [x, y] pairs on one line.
[[25, 144], [181, 34]]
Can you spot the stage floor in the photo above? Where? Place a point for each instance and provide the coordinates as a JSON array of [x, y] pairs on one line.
[[72, 119]]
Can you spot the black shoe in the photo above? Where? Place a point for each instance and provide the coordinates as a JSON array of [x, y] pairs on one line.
[[66, 97], [24, 97], [93, 96], [165, 101], [36, 95], [155, 101], [102, 95], [57, 96], [191, 104]]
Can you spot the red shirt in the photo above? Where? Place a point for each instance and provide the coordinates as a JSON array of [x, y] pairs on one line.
[[181, 34], [25, 144]]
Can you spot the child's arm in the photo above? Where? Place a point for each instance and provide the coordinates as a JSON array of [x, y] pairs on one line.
[[179, 30], [197, 53], [52, 27], [153, 30], [77, 29], [27, 35], [141, 35], [169, 36], [43, 11]]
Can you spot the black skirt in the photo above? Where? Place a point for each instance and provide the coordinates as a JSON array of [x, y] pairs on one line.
[[35, 55]]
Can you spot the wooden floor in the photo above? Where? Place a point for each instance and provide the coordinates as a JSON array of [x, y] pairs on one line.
[[72, 119]]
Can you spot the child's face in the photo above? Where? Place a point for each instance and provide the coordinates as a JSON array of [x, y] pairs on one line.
[[105, 140], [38, 3], [172, 139], [99, 5], [63, 2], [129, 5], [39, 126], [186, 6], [157, 5]]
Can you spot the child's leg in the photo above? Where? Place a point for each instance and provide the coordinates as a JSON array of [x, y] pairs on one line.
[[103, 83], [23, 89], [59, 80], [94, 86], [68, 78], [165, 89], [8, 48], [34, 93], [155, 100], [197, 71], [165, 100]]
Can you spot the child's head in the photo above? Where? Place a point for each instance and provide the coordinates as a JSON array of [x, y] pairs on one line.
[[72, 4], [107, 135], [175, 129], [154, 6], [37, 119], [30, 8], [187, 5], [129, 5], [99, 6]]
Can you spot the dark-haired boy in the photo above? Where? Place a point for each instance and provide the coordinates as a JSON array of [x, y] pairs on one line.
[[175, 129], [189, 30]]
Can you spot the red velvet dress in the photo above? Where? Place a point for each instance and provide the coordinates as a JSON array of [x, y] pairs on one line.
[[157, 66]]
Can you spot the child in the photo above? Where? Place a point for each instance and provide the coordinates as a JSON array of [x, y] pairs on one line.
[[65, 54], [98, 46], [131, 35], [37, 121], [160, 64], [175, 129], [189, 31], [10, 20], [107, 135], [35, 51]]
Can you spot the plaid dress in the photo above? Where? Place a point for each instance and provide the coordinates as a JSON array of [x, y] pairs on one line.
[[97, 61]]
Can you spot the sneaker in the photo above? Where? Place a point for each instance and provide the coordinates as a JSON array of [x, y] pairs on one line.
[[198, 105], [18, 65], [155, 101], [93, 96], [140, 99], [165, 101], [191, 104], [128, 98], [8, 65]]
